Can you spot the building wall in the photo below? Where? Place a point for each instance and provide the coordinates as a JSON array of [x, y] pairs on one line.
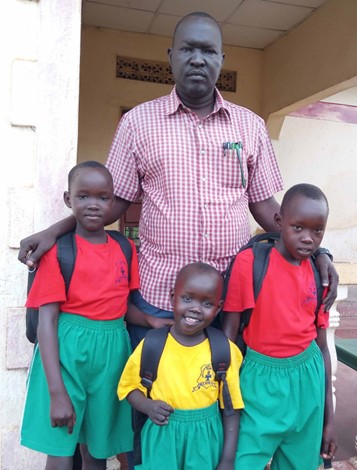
[[324, 153], [39, 78], [313, 61]]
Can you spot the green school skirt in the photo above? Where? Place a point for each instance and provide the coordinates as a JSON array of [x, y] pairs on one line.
[[283, 415], [192, 440], [92, 357]]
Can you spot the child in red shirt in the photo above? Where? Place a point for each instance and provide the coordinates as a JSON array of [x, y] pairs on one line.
[[285, 377], [83, 344]]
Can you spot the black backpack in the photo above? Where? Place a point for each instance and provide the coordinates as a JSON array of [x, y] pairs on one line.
[[154, 343], [262, 245], [66, 254]]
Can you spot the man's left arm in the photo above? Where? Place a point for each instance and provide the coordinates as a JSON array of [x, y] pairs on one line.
[[264, 212], [329, 276]]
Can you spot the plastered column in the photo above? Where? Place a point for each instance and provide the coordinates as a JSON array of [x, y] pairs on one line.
[[39, 94], [342, 293]]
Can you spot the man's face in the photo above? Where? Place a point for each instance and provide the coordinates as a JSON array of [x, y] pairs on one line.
[[196, 57]]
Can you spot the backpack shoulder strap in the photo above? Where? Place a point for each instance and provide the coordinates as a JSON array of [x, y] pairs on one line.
[[221, 360], [261, 245], [66, 255], [268, 237], [319, 286], [255, 242], [124, 245], [226, 276], [154, 343], [261, 252], [220, 351]]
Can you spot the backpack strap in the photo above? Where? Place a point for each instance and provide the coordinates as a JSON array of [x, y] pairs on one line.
[[66, 255], [221, 359], [154, 343], [31, 316], [268, 237], [319, 287], [261, 252], [124, 245], [226, 277], [261, 246], [153, 346]]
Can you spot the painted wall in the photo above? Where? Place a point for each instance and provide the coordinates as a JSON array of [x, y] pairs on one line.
[[316, 59], [324, 153], [102, 94], [39, 78]]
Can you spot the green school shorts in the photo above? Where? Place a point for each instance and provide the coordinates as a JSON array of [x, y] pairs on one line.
[[192, 440], [92, 357], [283, 414]]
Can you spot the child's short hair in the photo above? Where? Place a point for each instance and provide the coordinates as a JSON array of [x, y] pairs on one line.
[[199, 267], [303, 189], [86, 164]]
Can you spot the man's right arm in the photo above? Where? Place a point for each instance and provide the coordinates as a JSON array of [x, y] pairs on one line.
[[34, 246]]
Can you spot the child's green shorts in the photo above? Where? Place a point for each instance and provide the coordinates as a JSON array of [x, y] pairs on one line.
[[192, 440], [92, 357], [283, 411]]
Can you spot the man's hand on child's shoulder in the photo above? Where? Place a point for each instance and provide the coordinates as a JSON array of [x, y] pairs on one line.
[[158, 411]]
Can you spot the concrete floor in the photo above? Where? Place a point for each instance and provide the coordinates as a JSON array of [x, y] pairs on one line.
[[346, 411], [346, 400]]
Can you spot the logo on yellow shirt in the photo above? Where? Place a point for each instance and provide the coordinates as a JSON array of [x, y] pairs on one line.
[[206, 378]]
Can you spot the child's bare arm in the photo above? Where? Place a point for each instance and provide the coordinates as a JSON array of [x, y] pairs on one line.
[[328, 445], [230, 430], [137, 317], [158, 411], [230, 325], [61, 409]]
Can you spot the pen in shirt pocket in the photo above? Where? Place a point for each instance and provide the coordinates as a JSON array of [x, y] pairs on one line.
[[236, 148]]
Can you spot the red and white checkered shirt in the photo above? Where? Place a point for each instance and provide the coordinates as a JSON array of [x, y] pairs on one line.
[[194, 206]]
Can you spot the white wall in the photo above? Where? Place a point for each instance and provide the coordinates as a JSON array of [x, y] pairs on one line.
[[39, 76], [324, 153]]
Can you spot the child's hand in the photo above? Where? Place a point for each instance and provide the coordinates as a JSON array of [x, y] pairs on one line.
[[328, 445], [62, 412], [159, 412]]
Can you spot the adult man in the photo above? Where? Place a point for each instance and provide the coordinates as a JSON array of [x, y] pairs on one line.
[[199, 163]]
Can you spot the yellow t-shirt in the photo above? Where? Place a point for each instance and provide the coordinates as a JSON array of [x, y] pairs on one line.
[[185, 378]]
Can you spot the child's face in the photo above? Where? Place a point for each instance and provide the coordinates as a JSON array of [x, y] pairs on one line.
[[302, 227], [196, 300], [91, 198]]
